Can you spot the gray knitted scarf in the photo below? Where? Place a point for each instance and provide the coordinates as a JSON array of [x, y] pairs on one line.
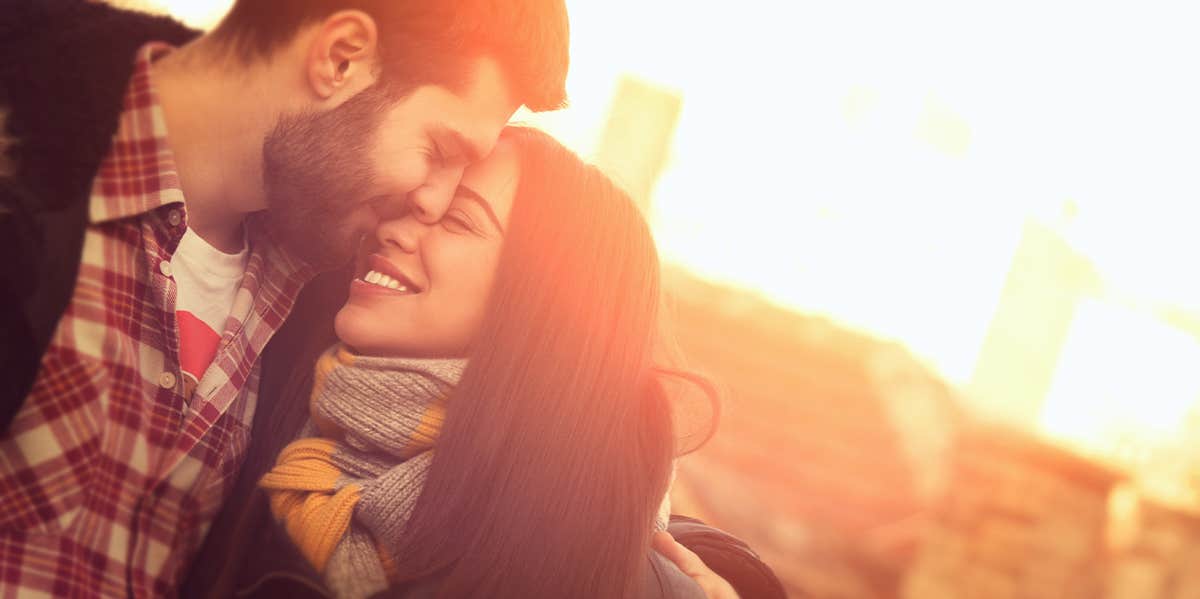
[[346, 488]]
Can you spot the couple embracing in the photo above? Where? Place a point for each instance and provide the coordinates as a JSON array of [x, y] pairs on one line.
[[288, 309]]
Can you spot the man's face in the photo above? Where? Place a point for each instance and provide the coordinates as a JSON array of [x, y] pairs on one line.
[[325, 174]]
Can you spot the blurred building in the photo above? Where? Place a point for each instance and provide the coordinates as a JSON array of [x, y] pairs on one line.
[[1021, 519], [832, 447], [857, 474]]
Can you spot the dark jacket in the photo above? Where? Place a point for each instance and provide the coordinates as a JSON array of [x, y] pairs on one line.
[[64, 65]]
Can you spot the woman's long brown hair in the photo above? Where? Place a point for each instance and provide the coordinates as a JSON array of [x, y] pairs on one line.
[[557, 445]]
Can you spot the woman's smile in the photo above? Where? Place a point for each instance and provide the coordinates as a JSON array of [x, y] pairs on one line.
[[379, 275]]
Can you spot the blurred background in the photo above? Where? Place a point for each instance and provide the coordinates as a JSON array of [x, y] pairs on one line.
[[942, 256]]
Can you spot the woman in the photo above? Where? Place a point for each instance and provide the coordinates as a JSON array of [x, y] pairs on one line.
[[519, 336]]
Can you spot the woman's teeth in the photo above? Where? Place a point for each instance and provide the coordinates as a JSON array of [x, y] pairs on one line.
[[377, 278]]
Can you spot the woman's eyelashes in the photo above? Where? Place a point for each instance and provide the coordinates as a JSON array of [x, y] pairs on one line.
[[457, 221]]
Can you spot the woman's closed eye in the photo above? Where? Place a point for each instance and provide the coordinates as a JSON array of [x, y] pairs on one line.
[[457, 221]]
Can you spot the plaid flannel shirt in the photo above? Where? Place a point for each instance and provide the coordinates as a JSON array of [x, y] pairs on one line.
[[109, 476]]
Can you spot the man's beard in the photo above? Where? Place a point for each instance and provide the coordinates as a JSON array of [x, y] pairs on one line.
[[317, 170]]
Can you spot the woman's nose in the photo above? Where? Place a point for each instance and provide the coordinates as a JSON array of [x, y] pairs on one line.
[[403, 233]]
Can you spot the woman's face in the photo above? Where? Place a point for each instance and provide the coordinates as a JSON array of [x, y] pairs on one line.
[[422, 287]]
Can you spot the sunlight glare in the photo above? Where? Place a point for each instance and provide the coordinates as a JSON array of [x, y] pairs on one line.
[[1116, 401], [875, 163]]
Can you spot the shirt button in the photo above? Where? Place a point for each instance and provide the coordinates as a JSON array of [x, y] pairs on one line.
[[165, 268], [166, 380], [174, 218]]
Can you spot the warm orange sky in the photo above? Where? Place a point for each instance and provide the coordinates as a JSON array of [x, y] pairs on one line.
[[876, 163]]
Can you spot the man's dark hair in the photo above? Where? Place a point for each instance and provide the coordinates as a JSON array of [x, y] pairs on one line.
[[429, 41]]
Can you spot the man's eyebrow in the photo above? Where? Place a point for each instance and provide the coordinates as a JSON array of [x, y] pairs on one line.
[[466, 192], [472, 151]]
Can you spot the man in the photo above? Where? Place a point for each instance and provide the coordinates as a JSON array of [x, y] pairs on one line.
[[163, 199]]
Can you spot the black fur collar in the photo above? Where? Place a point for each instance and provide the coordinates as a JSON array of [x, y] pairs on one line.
[[64, 65]]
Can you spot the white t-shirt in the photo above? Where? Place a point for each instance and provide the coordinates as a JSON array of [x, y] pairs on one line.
[[206, 281]]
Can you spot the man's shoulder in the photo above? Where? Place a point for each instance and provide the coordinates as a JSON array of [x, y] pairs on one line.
[[64, 65], [24, 19], [61, 30]]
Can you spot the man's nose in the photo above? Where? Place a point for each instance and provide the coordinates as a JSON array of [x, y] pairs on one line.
[[429, 202]]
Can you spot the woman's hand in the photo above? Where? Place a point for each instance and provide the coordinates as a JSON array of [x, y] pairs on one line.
[[714, 586]]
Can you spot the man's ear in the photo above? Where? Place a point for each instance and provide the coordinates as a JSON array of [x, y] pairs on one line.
[[343, 54]]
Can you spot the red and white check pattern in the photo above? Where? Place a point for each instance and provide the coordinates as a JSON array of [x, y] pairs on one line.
[[109, 476]]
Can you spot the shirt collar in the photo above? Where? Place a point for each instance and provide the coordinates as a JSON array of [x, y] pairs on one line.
[[138, 174]]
